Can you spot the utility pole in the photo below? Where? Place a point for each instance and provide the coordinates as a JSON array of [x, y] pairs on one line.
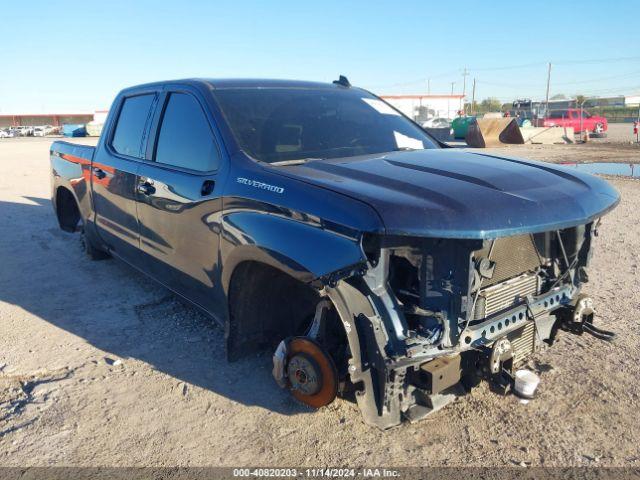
[[464, 88], [449, 100], [464, 81], [548, 83], [428, 86], [473, 97]]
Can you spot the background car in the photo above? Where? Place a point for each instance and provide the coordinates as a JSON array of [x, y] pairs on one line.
[[24, 131], [437, 122], [580, 120], [9, 133]]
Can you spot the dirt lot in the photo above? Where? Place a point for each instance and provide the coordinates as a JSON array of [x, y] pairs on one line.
[[618, 146], [100, 366]]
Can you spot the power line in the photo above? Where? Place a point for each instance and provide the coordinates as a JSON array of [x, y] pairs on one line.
[[512, 67], [596, 60], [508, 67], [612, 77], [416, 82], [616, 89], [560, 62], [574, 82], [509, 85]]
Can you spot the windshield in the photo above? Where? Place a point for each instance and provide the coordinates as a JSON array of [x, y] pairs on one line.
[[286, 124]]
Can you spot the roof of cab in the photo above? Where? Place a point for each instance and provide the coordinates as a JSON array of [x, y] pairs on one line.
[[265, 83], [222, 83]]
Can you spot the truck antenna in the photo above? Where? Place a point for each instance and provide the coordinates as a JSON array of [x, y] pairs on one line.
[[344, 81]]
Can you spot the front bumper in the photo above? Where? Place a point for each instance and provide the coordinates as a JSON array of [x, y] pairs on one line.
[[499, 325], [389, 382]]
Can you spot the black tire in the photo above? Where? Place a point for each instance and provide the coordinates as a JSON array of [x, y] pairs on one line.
[[598, 131], [90, 249]]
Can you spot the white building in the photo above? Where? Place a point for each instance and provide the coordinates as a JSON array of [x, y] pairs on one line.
[[632, 100], [421, 107]]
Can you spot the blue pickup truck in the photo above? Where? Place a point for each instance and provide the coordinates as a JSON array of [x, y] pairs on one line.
[[317, 221]]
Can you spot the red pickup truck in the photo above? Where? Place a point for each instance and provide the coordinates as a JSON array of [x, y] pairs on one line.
[[570, 117]]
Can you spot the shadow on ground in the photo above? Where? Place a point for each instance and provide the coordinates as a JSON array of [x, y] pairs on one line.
[[122, 312]]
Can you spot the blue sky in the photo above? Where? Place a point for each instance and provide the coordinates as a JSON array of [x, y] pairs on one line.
[[76, 55]]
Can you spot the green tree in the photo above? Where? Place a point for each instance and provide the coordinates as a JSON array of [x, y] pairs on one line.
[[490, 104], [471, 108]]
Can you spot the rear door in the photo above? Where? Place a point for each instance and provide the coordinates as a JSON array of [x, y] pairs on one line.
[[179, 201], [114, 172]]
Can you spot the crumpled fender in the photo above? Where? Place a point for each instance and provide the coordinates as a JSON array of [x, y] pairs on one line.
[[303, 249], [368, 365]]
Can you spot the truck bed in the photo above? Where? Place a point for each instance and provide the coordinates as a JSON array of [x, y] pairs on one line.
[[72, 152], [71, 170]]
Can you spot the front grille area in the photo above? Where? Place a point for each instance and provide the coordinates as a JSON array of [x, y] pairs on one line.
[[523, 342], [505, 295], [512, 256]]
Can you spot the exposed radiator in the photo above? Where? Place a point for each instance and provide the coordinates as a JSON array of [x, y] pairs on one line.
[[512, 256], [523, 342], [506, 294]]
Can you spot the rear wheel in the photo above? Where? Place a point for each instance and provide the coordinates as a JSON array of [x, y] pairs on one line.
[[89, 247], [598, 130]]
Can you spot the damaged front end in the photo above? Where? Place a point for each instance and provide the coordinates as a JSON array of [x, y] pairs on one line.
[[429, 318]]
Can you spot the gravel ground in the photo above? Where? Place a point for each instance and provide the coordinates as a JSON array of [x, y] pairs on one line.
[[580, 153], [619, 146], [99, 366]]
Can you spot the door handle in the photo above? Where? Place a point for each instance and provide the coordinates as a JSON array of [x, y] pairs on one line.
[[99, 173], [146, 188], [207, 187]]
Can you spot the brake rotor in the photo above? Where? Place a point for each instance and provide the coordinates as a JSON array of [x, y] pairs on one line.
[[312, 375]]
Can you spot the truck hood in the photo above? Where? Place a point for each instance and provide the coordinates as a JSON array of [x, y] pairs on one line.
[[455, 193]]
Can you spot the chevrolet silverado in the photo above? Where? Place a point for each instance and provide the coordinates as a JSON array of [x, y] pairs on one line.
[[317, 221]]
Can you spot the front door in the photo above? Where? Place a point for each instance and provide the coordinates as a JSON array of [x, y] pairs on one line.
[[179, 201]]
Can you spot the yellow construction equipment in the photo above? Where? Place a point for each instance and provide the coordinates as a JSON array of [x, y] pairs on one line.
[[493, 132]]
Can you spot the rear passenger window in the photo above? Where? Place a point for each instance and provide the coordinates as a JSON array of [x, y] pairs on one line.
[[185, 138], [127, 139]]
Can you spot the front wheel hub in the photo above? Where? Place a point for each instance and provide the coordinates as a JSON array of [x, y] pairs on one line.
[[311, 374], [304, 374]]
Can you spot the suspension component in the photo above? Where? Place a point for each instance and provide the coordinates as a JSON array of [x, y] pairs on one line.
[[307, 370], [581, 319], [583, 312]]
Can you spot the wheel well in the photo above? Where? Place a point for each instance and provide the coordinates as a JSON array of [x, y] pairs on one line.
[[67, 210], [267, 305]]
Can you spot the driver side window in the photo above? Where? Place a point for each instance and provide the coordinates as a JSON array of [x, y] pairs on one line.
[[185, 139]]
